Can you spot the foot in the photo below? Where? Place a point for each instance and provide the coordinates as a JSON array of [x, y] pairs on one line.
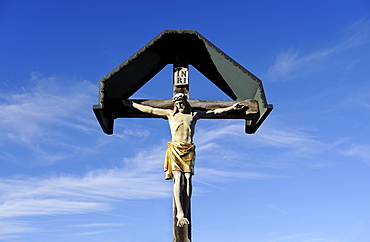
[[181, 220]]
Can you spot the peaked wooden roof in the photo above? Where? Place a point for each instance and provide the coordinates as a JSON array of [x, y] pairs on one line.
[[233, 79]]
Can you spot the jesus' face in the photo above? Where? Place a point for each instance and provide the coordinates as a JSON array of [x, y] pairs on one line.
[[180, 105]]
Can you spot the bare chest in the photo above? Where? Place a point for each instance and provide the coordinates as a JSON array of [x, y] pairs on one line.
[[182, 123], [182, 118]]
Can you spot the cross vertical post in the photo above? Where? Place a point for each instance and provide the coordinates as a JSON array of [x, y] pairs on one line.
[[181, 85]]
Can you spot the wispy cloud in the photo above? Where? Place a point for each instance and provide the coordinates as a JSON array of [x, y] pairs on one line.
[[291, 62], [44, 122], [98, 191], [361, 151], [10, 229], [276, 209], [293, 144], [95, 192], [267, 136], [294, 141], [94, 225], [47, 102], [215, 175], [38, 117]]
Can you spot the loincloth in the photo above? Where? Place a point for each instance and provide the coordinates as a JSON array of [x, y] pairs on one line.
[[180, 156]]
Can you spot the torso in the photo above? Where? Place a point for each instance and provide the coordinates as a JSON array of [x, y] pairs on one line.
[[182, 127]]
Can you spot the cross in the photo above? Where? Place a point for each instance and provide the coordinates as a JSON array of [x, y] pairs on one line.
[[181, 48]]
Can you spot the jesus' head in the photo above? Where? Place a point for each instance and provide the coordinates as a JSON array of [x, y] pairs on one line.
[[181, 104]]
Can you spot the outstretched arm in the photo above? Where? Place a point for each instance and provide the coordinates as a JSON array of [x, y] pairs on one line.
[[147, 109], [236, 106], [221, 111]]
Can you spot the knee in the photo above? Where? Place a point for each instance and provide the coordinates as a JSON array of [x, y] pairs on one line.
[[188, 176], [176, 176]]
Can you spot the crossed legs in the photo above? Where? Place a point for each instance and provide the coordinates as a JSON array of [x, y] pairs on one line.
[[182, 189]]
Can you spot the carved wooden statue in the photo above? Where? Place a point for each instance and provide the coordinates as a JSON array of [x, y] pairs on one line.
[[180, 155]]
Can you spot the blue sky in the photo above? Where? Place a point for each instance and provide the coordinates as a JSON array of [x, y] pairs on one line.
[[304, 176]]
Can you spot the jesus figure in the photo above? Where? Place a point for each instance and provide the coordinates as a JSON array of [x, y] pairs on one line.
[[180, 154]]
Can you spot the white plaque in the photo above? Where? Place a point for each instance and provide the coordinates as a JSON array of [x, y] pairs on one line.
[[181, 76]]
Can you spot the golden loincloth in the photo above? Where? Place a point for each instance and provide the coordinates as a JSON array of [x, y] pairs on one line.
[[180, 156]]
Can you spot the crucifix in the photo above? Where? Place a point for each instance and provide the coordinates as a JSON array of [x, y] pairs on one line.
[[182, 113], [180, 155]]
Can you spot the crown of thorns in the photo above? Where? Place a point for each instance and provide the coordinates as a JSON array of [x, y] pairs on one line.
[[179, 97]]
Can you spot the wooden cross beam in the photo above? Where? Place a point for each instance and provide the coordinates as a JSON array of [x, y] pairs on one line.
[[249, 113]]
